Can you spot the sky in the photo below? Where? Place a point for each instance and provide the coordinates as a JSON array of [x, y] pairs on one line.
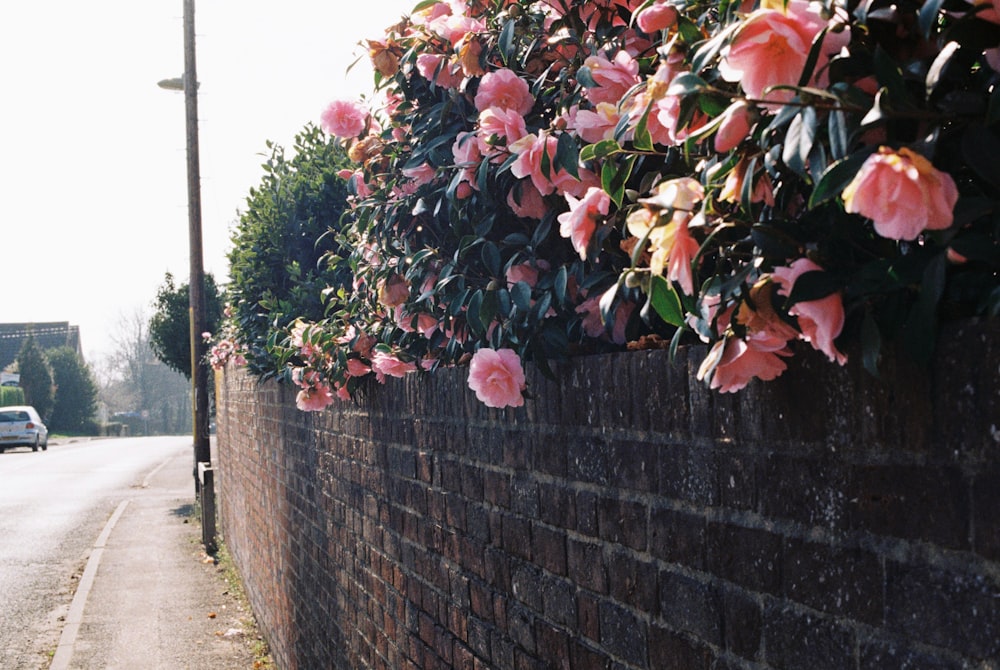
[[93, 199]]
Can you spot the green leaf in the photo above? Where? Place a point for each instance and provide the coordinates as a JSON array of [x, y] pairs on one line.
[[813, 58], [520, 293], [799, 141], [938, 67], [707, 51], [473, 314], [607, 302], [836, 128], [614, 178], [567, 155], [491, 258], [506, 42], [928, 16], [642, 140], [665, 301], [602, 149], [686, 84], [561, 281], [688, 30], [585, 78], [836, 177], [488, 309], [811, 285], [890, 77]]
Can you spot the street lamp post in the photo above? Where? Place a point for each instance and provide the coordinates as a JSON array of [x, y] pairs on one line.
[[196, 286]]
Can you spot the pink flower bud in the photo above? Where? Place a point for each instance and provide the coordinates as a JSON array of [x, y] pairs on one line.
[[734, 128], [659, 16]]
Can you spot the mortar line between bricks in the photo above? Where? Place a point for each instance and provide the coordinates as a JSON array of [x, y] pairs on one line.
[[67, 640]]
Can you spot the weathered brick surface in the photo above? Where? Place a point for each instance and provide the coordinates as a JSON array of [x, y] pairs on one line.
[[627, 518]]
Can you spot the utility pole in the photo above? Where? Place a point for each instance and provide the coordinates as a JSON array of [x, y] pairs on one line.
[[204, 486], [196, 282]]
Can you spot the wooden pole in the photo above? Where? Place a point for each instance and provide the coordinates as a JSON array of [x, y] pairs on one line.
[[199, 372]]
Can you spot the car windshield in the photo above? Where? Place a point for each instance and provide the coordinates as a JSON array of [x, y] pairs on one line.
[[14, 416]]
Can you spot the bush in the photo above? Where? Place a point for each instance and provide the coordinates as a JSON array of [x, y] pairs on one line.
[[11, 395], [557, 177], [276, 273]]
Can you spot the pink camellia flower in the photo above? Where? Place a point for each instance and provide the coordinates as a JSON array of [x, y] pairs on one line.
[[683, 249], [504, 89], [990, 11], [344, 118], [497, 378], [315, 394], [613, 77], [579, 223], [742, 360], [658, 16], [314, 398], [529, 150], [466, 153], [385, 364], [772, 47], [565, 183], [819, 320], [667, 110], [734, 128], [526, 202], [303, 338], [357, 367], [593, 324], [902, 193], [597, 124], [438, 69], [426, 324], [455, 27], [681, 193], [422, 174], [526, 272], [499, 128]]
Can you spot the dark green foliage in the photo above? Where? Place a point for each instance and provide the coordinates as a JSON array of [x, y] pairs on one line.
[[76, 392], [276, 269], [36, 378], [170, 325]]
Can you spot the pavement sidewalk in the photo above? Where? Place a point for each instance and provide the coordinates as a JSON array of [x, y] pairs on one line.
[[149, 597]]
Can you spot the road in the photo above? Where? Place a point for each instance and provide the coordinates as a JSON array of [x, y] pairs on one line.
[[53, 505]]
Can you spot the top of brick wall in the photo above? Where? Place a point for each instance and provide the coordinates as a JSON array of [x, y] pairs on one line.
[[948, 413]]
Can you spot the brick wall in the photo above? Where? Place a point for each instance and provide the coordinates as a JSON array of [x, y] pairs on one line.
[[627, 518]]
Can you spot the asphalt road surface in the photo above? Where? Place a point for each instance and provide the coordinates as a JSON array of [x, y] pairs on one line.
[[53, 505]]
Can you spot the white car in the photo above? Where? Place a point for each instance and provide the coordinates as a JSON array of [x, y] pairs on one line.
[[20, 426]]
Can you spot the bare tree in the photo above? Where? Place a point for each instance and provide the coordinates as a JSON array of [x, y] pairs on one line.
[[136, 386]]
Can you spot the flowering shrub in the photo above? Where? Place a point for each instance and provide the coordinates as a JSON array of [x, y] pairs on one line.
[[543, 179]]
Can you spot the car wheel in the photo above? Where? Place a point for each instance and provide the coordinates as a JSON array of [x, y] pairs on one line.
[[34, 447], [45, 445]]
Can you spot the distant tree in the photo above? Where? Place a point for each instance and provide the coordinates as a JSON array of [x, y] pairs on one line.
[[169, 327], [136, 383], [36, 377], [75, 402]]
